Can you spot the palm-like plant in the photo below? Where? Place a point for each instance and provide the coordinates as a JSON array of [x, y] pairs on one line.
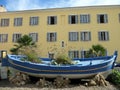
[[23, 42], [26, 46], [96, 50]]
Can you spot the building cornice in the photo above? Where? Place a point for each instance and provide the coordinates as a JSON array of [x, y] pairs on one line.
[[67, 8]]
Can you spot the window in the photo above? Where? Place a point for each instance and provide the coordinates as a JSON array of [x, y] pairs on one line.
[[73, 19], [16, 37], [85, 36], [34, 20], [4, 22], [18, 21], [103, 36], [73, 36], [102, 18], [84, 54], [84, 18], [3, 38], [63, 44], [52, 20], [51, 55], [73, 54], [51, 37], [34, 36]]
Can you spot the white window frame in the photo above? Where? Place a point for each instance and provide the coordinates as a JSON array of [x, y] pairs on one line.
[[85, 36], [102, 18], [51, 55], [84, 18], [3, 38], [18, 21], [4, 22], [34, 37], [83, 53], [34, 20], [73, 36], [52, 20], [73, 19], [51, 36], [16, 36], [103, 35], [73, 54]]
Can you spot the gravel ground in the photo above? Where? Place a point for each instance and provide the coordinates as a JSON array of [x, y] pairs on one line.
[[6, 85]]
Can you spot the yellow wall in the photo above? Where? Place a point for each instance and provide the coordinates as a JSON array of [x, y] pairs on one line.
[[62, 28]]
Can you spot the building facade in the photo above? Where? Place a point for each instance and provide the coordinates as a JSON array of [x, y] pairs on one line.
[[70, 30]]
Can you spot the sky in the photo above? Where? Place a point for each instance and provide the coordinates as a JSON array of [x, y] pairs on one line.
[[17, 5]]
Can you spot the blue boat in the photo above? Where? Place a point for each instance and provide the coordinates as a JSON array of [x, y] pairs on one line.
[[83, 68]]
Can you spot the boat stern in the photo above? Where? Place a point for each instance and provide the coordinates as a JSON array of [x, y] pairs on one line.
[[5, 62]]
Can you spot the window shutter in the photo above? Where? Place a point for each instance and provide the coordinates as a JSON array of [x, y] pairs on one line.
[[77, 36], [48, 36], [106, 18], [36, 37], [80, 18], [99, 35], [81, 36], [107, 36], [13, 38], [89, 35], [88, 18], [55, 19], [69, 19], [48, 20], [76, 18], [55, 36], [69, 36], [98, 18], [6, 37]]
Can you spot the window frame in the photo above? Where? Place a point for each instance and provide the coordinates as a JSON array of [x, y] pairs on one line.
[[103, 36], [83, 53], [34, 36], [18, 21], [51, 36], [85, 36], [34, 20], [5, 22], [16, 36], [84, 18], [52, 20], [73, 19], [102, 18], [3, 38], [73, 54], [73, 36], [51, 55]]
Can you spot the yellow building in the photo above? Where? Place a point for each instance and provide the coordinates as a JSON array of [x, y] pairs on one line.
[[70, 30]]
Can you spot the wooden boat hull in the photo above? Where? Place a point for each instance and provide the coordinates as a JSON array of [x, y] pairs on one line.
[[69, 71]]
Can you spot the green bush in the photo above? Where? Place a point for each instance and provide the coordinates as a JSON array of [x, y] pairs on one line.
[[114, 77], [33, 58], [31, 55], [62, 59], [96, 51]]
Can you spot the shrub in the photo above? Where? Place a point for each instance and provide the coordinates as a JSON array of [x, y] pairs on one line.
[[96, 51], [31, 55], [62, 59], [114, 77], [33, 58]]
